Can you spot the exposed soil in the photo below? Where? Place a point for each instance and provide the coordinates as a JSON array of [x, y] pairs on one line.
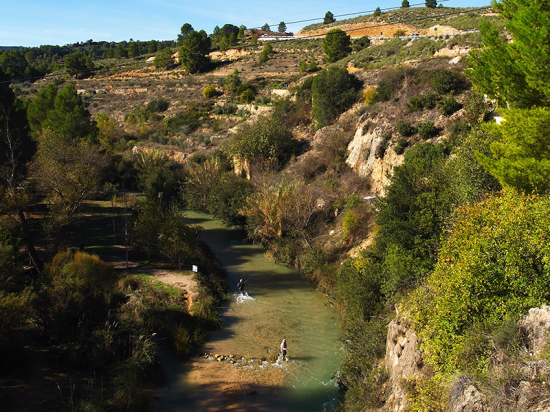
[[380, 29]]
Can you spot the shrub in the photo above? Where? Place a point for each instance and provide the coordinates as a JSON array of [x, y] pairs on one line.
[[448, 105], [266, 139], [188, 120], [404, 128], [247, 96], [422, 101], [209, 92], [445, 81], [158, 105], [333, 91], [399, 33], [427, 129], [361, 43], [493, 266], [402, 143], [369, 96]]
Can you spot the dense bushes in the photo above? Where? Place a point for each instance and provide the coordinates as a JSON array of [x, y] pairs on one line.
[[266, 140], [493, 266], [404, 128], [427, 129], [333, 91], [422, 101]]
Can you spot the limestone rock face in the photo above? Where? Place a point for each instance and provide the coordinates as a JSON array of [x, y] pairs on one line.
[[403, 360], [465, 397], [370, 156], [536, 324]]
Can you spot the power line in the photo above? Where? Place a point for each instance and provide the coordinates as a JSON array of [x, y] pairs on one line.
[[275, 41]]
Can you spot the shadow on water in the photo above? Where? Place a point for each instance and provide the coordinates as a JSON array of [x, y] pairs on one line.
[[281, 305]]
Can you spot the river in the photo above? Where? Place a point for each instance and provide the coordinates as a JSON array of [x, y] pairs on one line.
[[281, 305]]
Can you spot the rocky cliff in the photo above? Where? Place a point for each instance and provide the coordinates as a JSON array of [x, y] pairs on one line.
[[523, 383]]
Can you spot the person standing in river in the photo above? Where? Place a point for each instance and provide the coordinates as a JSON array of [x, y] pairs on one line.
[[283, 349], [240, 285]]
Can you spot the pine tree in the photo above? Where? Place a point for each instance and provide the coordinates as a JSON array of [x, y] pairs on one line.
[[329, 18], [517, 72], [282, 27], [405, 4], [337, 45], [431, 3]]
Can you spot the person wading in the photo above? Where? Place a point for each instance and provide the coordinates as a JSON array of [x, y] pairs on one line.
[[283, 349], [240, 285]]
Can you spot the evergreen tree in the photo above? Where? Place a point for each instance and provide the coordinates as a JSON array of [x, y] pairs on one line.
[[282, 27], [329, 18], [405, 4], [336, 45], [377, 12], [78, 63], [517, 72], [186, 29], [194, 52], [265, 27], [431, 3], [333, 91]]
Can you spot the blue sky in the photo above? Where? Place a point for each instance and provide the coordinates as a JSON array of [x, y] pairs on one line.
[[58, 22]]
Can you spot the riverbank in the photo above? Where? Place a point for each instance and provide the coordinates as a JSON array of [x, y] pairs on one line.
[[280, 305]]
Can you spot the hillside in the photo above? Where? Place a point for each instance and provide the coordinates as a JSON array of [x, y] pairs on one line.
[[373, 165]]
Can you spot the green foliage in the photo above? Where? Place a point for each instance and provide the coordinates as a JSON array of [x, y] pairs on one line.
[[421, 102], [377, 12], [209, 92], [411, 217], [265, 139], [232, 82], [402, 143], [427, 130], [493, 266], [186, 29], [194, 51], [66, 171], [78, 63], [514, 72], [333, 91], [184, 122], [361, 43], [336, 45], [164, 59], [428, 394], [329, 18], [521, 150], [177, 241], [404, 128], [223, 194], [448, 105], [431, 3], [159, 184], [158, 105], [405, 4], [248, 96], [282, 27], [445, 81], [62, 112]]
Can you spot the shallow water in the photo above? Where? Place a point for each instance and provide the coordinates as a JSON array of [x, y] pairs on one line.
[[280, 304]]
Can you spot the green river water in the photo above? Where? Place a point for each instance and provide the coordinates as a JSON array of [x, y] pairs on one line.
[[281, 305]]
